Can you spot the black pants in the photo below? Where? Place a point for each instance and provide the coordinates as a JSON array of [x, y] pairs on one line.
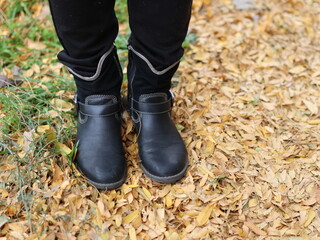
[[88, 28]]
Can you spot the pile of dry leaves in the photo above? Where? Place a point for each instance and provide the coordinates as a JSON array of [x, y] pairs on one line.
[[247, 106]]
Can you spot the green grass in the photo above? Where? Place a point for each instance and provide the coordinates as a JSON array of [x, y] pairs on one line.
[[121, 11], [19, 21], [23, 108], [13, 46]]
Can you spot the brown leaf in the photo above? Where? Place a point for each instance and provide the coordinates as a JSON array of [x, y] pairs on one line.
[[6, 82], [255, 229], [35, 45], [204, 215]]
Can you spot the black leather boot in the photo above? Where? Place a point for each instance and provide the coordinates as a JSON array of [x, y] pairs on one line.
[[100, 156], [162, 151]]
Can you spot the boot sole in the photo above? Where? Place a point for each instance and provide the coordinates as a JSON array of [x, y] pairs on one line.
[[166, 179], [106, 186]]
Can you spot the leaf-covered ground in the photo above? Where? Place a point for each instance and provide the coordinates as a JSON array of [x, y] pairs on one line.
[[247, 106]]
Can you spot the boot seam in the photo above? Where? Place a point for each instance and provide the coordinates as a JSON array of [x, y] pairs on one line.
[[150, 95], [99, 68], [101, 96], [151, 67]]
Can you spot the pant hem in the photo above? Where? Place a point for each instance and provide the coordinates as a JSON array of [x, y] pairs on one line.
[[99, 68], [152, 68]]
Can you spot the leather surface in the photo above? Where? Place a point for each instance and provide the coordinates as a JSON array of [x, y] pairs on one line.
[[161, 148], [100, 155]]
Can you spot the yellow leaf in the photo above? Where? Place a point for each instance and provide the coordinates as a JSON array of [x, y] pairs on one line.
[[61, 105], [293, 232], [147, 193], [46, 129], [4, 31], [118, 220], [255, 229], [63, 148], [12, 210], [172, 236], [229, 92], [7, 167], [57, 175], [311, 216], [168, 201], [130, 186], [314, 122], [28, 73], [132, 233], [297, 70], [53, 113], [18, 227], [130, 217], [42, 129], [313, 108], [253, 202], [105, 236], [298, 208], [51, 135], [204, 215]]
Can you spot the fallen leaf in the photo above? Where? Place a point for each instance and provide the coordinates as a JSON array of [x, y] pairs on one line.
[[35, 45], [255, 229], [61, 105], [130, 217], [57, 175], [62, 148], [204, 215], [132, 233], [3, 220], [311, 106], [311, 216], [297, 70]]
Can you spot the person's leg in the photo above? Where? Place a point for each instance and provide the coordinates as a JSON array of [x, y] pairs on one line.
[[87, 29], [158, 30]]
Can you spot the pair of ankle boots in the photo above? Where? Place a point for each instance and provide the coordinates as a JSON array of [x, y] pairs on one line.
[[100, 155]]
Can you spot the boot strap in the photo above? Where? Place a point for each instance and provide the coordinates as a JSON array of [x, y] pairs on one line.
[[98, 110], [152, 108]]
